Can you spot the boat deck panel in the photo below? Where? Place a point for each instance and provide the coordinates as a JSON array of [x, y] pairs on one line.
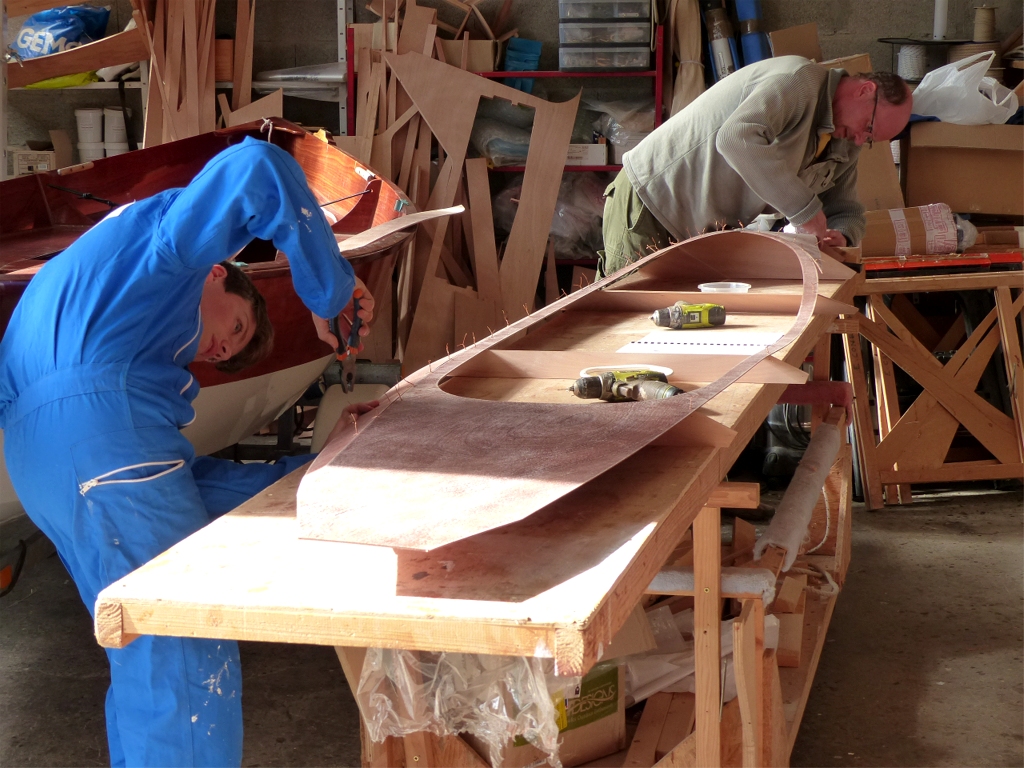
[[559, 583]]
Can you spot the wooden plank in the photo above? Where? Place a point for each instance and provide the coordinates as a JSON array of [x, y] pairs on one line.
[[191, 42], [748, 656], [643, 748], [956, 472], [242, 10], [736, 496], [119, 48], [864, 428], [566, 364], [922, 436], [887, 407], [993, 429], [790, 594], [271, 105], [887, 316], [707, 540], [245, 84], [550, 276], [744, 535], [1012, 356], [775, 744], [678, 724], [941, 283], [908, 314]]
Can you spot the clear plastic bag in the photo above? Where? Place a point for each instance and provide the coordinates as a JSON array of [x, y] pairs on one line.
[[960, 93], [576, 222], [494, 698], [500, 143], [624, 123]]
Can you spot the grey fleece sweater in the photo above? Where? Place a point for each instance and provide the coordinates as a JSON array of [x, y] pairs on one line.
[[747, 146]]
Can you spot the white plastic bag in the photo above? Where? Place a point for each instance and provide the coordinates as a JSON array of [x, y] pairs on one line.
[[960, 93]]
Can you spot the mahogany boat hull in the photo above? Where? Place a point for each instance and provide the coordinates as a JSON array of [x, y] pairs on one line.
[[40, 220]]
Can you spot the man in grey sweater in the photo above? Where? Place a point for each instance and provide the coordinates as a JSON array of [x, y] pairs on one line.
[[781, 135]]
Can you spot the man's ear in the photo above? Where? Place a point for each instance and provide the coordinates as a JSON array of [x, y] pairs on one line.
[[217, 273], [867, 89]]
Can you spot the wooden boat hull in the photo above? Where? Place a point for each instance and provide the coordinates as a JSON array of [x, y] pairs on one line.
[[39, 221], [434, 465]]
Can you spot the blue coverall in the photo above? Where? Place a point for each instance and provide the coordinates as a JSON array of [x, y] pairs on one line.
[[94, 388]]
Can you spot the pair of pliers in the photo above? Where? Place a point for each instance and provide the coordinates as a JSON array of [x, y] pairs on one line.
[[346, 352]]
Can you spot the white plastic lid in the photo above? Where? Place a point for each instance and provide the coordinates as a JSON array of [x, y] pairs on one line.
[[724, 287]]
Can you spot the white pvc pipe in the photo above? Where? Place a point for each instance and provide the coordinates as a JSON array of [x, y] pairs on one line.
[[941, 19]]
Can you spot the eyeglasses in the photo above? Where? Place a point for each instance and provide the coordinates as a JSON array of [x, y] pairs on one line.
[[870, 140]]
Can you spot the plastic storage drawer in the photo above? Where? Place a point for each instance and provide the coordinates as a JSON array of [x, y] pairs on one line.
[[599, 32], [604, 9], [604, 58]]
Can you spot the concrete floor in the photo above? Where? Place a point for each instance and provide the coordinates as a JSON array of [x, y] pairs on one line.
[[922, 666]]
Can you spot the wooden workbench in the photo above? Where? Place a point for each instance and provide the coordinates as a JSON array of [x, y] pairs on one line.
[[557, 584]]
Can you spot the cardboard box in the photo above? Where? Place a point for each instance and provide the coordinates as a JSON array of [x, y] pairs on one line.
[[797, 41], [854, 65], [587, 154], [878, 180], [970, 168], [29, 161], [591, 725], [909, 231]]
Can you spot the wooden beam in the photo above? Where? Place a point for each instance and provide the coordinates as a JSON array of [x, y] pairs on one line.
[[864, 431], [119, 48], [942, 283], [1012, 356], [707, 542], [748, 656], [993, 428], [955, 472]]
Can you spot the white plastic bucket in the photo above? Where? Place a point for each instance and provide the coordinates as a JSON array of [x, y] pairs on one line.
[[115, 148], [90, 125], [113, 126], [90, 150]]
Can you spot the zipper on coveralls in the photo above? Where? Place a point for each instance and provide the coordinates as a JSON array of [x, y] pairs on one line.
[[172, 466]]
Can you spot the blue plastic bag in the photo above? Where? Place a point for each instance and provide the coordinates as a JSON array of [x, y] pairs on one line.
[[60, 29]]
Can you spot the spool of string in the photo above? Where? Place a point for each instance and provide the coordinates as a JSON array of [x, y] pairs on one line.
[[912, 62], [984, 24]]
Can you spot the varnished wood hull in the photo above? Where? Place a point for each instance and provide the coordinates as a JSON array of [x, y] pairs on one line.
[[39, 221]]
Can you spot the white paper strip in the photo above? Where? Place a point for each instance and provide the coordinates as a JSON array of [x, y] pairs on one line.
[[702, 341]]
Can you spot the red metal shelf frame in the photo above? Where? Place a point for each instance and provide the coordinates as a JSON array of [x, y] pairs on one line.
[[657, 73]]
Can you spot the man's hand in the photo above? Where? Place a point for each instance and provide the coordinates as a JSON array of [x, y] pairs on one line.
[[366, 303], [349, 418], [818, 226]]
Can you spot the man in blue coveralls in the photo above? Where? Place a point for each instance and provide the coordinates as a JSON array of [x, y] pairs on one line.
[[95, 387]]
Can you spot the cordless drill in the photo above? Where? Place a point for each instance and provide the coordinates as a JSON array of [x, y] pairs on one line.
[[686, 316], [622, 386]]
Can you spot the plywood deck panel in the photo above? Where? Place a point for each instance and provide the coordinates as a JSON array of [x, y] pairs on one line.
[[492, 462], [558, 584]]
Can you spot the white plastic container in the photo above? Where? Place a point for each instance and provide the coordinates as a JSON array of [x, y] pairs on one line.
[[113, 126], [115, 148], [602, 32], [604, 9], [90, 126], [90, 150], [605, 57]]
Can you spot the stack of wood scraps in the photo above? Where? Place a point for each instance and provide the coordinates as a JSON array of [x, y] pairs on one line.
[[182, 95], [414, 117]]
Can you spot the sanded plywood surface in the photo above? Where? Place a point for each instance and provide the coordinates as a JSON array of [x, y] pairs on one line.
[[557, 584], [492, 462]]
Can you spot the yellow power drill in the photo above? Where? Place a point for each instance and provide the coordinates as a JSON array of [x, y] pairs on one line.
[[685, 316], [622, 386]]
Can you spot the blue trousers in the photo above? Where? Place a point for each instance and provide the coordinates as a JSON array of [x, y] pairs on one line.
[[111, 501]]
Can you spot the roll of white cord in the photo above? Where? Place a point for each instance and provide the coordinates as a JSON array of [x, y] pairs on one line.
[[912, 62]]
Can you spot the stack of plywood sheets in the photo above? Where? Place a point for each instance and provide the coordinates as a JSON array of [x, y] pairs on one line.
[[182, 99], [414, 116]]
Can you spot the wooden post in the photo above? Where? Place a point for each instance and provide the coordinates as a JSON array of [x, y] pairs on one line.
[[888, 409], [707, 612], [748, 655], [864, 428]]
